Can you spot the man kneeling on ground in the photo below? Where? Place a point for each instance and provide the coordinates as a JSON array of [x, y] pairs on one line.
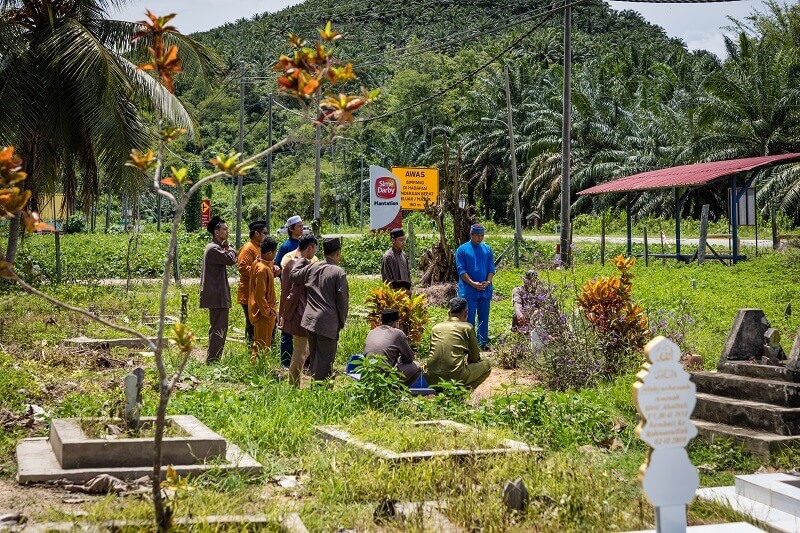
[[455, 354], [389, 342]]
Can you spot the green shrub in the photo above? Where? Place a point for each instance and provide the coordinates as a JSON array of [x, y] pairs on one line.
[[74, 224]]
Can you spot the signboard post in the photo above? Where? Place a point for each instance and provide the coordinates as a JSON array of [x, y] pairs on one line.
[[417, 185], [384, 200], [205, 212], [665, 398]]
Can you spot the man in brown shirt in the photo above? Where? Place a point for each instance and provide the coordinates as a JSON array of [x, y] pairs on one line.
[[262, 303], [328, 297], [293, 305], [394, 264], [249, 252], [215, 292], [391, 343]]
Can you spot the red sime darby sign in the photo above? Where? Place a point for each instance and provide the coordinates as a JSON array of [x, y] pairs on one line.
[[385, 187]]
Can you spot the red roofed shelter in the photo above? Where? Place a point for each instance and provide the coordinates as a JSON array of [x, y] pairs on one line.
[[692, 177]]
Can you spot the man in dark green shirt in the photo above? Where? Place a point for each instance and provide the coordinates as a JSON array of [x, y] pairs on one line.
[[455, 354]]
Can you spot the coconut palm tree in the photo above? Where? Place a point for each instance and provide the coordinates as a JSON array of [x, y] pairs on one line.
[[72, 100]]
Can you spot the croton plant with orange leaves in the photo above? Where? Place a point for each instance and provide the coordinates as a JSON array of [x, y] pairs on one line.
[[14, 200], [607, 304]]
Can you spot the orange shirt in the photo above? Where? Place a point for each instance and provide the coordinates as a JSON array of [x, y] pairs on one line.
[[262, 301], [247, 256]]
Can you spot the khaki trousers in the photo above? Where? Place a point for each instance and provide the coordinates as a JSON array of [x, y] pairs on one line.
[[299, 356]]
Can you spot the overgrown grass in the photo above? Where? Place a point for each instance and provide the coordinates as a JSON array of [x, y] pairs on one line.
[[577, 486]]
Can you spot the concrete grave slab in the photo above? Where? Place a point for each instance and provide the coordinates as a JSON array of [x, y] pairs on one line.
[[74, 449], [772, 500], [202, 451], [509, 445]]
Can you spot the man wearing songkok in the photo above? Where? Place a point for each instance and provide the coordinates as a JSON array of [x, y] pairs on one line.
[[394, 264], [263, 305], [328, 297], [215, 292], [293, 304], [455, 354], [391, 343], [294, 229], [248, 254], [475, 264]]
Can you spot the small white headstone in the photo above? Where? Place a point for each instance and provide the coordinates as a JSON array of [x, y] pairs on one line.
[[665, 398]]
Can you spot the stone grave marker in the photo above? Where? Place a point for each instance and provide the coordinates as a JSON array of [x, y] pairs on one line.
[[746, 338], [133, 397], [665, 399], [772, 347], [794, 356]]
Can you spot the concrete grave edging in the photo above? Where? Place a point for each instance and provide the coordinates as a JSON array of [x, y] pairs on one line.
[[510, 446]]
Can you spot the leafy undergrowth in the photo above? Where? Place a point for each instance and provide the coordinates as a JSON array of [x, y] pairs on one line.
[[586, 480]]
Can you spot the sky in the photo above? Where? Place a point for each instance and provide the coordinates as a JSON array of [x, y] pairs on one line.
[[698, 25]]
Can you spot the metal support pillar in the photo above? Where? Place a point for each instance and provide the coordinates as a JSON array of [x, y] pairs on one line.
[[677, 223], [735, 219], [628, 206], [680, 199]]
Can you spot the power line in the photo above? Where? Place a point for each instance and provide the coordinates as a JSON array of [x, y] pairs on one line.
[[544, 17]]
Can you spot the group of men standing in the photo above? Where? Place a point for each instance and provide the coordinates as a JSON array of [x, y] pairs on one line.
[[313, 303], [314, 299]]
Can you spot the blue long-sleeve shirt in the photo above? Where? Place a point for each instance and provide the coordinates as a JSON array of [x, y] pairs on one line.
[[290, 245], [478, 262]]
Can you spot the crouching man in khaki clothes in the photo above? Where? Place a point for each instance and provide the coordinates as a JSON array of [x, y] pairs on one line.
[[455, 354]]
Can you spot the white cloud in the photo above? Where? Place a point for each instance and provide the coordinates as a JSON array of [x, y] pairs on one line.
[[714, 42]]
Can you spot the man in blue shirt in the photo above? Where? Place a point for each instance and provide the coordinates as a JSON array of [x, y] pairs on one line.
[[475, 264], [294, 229]]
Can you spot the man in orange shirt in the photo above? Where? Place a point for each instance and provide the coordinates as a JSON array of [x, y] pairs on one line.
[[247, 256], [262, 303]]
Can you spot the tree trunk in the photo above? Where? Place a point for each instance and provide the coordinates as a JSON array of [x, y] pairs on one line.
[[14, 229]]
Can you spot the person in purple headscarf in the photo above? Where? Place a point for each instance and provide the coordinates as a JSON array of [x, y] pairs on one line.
[[475, 264]]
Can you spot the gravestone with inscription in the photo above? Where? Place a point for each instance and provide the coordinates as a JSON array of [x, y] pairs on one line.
[[665, 399]]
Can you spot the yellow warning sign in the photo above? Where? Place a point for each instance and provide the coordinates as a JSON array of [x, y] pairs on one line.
[[416, 185]]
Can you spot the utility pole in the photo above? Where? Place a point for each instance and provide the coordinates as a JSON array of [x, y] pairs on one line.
[[317, 183], [513, 156], [565, 136], [241, 151], [269, 170]]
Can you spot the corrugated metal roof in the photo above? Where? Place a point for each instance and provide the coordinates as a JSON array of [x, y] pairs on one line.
[[688, 175]]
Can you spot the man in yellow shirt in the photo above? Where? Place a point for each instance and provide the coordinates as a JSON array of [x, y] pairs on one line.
[[249, 252]]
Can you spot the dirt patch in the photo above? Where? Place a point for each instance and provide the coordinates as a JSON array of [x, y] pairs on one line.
[[439, 294], [37, 502], [495, 382]]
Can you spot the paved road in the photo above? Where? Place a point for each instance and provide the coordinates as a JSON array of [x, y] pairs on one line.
[[592, 239]]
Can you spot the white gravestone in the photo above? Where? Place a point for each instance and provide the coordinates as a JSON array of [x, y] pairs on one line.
[[665, 398]]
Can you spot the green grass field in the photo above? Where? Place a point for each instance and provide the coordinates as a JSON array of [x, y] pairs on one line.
[[577, 485]]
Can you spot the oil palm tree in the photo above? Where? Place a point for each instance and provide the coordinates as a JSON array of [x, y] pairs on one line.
[[72, 99]]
